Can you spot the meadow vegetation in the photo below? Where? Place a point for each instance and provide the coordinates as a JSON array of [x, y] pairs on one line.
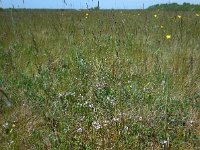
[[100, 79]]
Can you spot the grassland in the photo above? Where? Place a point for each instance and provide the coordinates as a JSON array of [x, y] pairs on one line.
[[106, 80]]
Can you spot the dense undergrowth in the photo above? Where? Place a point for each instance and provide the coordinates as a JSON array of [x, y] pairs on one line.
[[100, 79]]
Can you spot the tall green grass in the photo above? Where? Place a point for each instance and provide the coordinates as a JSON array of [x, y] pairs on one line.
[[108, 81]]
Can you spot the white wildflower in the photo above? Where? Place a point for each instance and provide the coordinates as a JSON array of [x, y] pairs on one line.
[[91, 105], [10, 142], [125, 128], [115, 119], [140, 118], [163, 142], [5, 125], [96, 125], [60, 95], [80, 130]]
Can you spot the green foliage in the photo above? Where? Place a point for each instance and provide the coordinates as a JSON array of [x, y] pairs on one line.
[[176, 7], [100, 79]]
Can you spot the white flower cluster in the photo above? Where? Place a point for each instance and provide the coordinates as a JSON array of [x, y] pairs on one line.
[[96, 125]]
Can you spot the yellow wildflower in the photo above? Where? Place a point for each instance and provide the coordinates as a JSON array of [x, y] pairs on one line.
[[168, 36], [179, 16], [87, 14], [155, 16], [161, 26], [197, 15]]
